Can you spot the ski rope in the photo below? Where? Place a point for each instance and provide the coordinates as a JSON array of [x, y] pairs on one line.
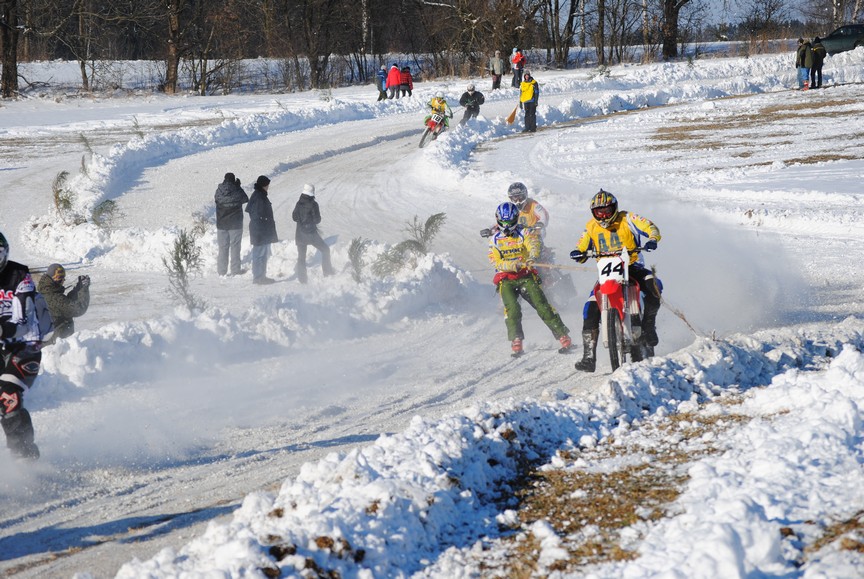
[[673, 309]]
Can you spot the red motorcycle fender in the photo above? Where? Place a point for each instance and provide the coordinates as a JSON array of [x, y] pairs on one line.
[[612, 290]]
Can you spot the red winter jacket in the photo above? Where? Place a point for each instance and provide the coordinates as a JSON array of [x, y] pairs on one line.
[[406, 78], [394, 78]]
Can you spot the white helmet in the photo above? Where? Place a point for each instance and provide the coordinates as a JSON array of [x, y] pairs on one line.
[[439, 95], [471, 87]]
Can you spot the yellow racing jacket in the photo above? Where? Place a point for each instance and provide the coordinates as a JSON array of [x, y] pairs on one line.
[[510, 253], [628, 230]]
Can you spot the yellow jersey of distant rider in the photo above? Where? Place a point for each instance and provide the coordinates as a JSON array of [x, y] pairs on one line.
[[627, 230]]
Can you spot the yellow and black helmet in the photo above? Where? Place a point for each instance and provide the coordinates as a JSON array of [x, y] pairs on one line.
[[604, 207]]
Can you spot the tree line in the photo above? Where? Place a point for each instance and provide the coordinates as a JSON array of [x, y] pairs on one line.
[[325, 43]]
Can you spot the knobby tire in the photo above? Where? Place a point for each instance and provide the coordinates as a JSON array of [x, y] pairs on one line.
[[425, 136], [613, 339]]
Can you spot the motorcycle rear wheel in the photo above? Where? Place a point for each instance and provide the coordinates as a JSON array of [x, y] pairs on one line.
[[425, 136]]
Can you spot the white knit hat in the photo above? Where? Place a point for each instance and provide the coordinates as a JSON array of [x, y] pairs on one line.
[[309, 190]]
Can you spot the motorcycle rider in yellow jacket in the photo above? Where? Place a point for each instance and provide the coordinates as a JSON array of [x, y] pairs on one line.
[[513, 252], [438, 104], [609, 231]]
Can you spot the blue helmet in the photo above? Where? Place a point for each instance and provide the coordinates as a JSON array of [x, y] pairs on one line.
[[507, 216]]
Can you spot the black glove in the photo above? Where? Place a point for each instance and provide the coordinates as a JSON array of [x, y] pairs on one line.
[[579, 256], [237, 181], [650, 245], [520, 104], [83, 281]]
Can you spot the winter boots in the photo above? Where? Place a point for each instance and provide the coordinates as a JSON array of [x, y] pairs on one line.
[[565, 342], [588, 363], [516, 346], [18, 428]]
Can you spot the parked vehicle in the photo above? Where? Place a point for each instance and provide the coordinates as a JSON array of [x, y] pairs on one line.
[[848, 37]]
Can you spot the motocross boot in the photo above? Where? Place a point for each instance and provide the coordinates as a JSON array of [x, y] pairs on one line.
[[588, 363], [18, 428]]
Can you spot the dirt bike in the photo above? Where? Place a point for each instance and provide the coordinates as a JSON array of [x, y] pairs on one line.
[[620, 303], [434, 126]]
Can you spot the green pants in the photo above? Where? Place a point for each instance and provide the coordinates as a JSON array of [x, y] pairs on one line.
[[529, 288]]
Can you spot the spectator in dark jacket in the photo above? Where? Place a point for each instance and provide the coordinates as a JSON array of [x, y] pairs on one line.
[[394, 81], [381, 83], [262, 229], [818, 60], [406, 81], [803, 62], [308, 216], [64, 307], [471, 99], [230, 198]]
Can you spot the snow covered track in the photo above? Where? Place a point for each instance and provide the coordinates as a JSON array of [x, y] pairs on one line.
[[441, 484]]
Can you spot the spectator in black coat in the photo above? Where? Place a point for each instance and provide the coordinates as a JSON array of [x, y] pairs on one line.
[[818, 60], [471, 100], [63, 306], [262, 229], [308, 215], [230, 198]]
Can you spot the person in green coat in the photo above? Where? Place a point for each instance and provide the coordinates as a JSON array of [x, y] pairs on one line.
[[64, 307]]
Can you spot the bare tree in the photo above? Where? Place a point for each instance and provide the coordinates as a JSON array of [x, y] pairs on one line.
[[9, 32]]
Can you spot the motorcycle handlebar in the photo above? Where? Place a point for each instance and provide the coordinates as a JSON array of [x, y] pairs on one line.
[[594, 253]]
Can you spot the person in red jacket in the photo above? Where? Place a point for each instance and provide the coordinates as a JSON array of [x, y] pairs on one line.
[[394, 79], [406, 84], [517, 60]]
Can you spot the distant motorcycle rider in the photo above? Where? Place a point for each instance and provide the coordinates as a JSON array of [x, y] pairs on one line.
[[438, 104], [24, 322], [611, 230]]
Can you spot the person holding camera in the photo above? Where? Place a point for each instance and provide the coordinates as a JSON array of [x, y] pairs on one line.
[[229, 198], [64, 307]]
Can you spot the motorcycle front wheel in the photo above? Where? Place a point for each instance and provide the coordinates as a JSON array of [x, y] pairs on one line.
[[617, 356], [425, 136]]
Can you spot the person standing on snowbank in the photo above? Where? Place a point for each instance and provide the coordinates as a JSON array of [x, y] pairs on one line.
[[64, 307], [229, 198], [24, 323], [262, 229], [307, 215]]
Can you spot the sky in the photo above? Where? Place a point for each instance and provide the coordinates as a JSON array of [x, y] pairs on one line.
[[292, 423]]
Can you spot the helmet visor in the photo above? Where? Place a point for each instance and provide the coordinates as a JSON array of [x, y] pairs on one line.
[[605, 212]]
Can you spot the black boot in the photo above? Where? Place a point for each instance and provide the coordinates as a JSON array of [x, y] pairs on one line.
[[19, 434], [649, 331], [588, 363]]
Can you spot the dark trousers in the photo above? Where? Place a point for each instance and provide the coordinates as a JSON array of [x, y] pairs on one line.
[[470, 113], [319, 244], [816, 76], [496, 81], [517, 77], [530, 117], [21, 364], [382, 95]]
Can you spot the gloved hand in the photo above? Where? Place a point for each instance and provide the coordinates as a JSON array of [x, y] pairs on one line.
[[579, 256], [529, 264], [485, 233], [83, 281], [237, 181], [520, 104], [651, 245]]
